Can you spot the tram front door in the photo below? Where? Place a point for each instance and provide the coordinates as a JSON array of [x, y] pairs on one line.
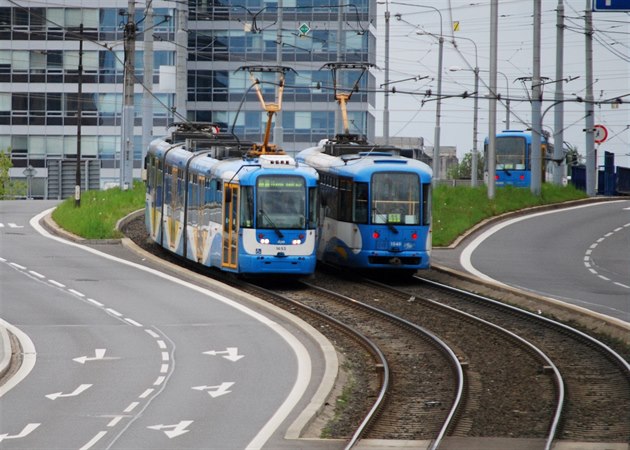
[[230, 226]]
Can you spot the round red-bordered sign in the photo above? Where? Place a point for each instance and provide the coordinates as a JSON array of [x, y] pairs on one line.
[[601, 134]]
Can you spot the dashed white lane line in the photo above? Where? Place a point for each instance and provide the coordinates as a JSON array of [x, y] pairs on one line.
[[56, 283], [589, 252], [133, 322], [115, 421], [113, 311], [94, 440], [146, 393], [131, 407]]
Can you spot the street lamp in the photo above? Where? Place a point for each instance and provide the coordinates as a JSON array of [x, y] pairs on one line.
[[438, 106], [473, 168]]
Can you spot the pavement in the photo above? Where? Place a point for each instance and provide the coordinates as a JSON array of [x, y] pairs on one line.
[[445, 260]]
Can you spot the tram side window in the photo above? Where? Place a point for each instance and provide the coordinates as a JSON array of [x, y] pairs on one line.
[[150, 171], [329, 187], [345, 199], [360, 213], [168, 181], [312, 207], [193, 199], [426, 204], [181, 191], [247, 206]]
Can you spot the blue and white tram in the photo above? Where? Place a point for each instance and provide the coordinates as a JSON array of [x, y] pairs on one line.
[[375, 206], [252, 215]]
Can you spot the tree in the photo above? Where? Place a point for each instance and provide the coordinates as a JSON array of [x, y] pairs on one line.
[[463, 170], [9, 188]]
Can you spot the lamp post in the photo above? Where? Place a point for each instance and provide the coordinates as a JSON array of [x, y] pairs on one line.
[[473, 168], [438, 106], [476, 71]]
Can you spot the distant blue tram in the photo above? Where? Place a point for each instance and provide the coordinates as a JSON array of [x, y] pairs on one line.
[[513, 158], [375, 206], [252, 213]]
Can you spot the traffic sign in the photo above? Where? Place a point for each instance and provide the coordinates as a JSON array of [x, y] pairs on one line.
[[611, 5], [304, 29], [601, 134]]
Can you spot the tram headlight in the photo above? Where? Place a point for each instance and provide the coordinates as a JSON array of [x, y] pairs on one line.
[[296, 241]]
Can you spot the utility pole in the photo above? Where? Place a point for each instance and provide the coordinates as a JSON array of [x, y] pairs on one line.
[[438, 113], [558, 124], [386, 100], [147, 79], [536, 153], [591, 156], [341, 49], [181, 56], [278, 130], [77, 184], [126, 154], [475, 157], [492, 102]]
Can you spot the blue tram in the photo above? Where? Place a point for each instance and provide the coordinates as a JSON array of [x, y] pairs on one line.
[[247, 209], [513, 158], [252, 214], [375, 206]]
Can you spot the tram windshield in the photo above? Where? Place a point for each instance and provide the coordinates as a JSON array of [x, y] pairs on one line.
[[396, 198], [510, 153], [280, 202]]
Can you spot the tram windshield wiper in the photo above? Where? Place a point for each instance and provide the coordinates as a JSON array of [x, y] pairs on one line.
[[270, 222]]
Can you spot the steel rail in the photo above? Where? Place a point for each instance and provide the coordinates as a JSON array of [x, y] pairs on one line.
[[455, 363], [608, 351]]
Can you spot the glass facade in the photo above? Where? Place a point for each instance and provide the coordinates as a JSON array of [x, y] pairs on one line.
[[39, 71]]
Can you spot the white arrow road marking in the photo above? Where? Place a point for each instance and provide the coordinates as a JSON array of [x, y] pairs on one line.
[[77, 391], [99, 354], [230, 353], [25, 432], [12, 225], [216, 391], [177, 429]]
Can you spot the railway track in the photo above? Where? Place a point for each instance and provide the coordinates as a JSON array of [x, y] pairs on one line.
[[591, 403], [427, 395], [524, 376]]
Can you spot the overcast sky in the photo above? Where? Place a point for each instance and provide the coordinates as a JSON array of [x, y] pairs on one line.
[[413, 54]]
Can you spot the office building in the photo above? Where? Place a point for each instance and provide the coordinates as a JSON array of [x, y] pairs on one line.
[[196, 50]]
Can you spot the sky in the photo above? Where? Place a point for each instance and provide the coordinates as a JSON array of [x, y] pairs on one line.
[[416, 55]]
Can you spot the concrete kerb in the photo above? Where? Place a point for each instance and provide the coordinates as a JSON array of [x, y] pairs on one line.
[[5, 351]]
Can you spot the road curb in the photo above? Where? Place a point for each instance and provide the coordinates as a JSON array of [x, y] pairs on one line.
[[5, 351]]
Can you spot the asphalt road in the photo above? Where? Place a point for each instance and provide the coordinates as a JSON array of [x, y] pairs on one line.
[[119, 355], [579, 255]]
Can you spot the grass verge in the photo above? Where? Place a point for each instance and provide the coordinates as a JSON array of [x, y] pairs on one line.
[[99, 211], [455, 209]]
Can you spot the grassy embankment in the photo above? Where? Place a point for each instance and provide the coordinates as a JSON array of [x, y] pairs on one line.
[[455, 209]]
